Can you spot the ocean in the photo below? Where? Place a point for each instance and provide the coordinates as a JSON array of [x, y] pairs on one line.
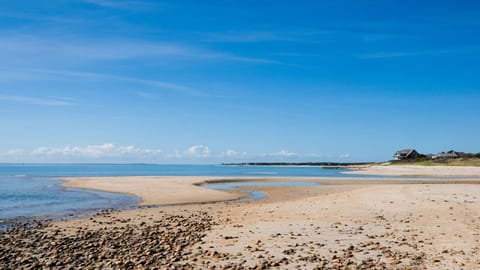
[[30, 190]]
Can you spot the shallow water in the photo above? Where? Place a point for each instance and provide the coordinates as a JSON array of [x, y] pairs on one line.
[[254, 194], [37, 196], [233, 185], [28, 190]]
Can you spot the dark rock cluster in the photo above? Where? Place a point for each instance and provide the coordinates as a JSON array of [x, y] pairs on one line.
[[161, 244]]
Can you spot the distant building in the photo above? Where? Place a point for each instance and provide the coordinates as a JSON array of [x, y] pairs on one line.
[[443, 155], [465, 155], [406, 154]]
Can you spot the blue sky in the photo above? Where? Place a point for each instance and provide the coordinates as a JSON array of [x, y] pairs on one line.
[[215, 81]]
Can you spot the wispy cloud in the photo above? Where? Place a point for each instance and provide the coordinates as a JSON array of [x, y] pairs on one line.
[[288, 35], [107, 77], [28, 49], [37, 17], [319, 35], [61, 75], [124, 4], [237, 58], [88, 49], [145, 95], [378, 55], [51, 101], [247, 37]]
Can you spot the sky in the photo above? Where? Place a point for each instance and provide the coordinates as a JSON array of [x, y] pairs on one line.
[[232, 81]]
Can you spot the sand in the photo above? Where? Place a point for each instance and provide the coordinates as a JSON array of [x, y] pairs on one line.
[[349, 223], [155, 190], [174, 190], [407, 170], [437, 223]]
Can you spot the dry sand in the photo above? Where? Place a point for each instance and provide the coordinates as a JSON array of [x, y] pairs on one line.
[[432, 226], [410, 170], [155, 190], [171, 190]]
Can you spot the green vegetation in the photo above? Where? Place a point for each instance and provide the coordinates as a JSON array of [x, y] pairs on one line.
[[338, 164], [424, 161]]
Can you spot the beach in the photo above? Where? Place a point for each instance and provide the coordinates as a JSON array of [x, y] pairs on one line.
[[163, 134], [412, 170], [344, 223]]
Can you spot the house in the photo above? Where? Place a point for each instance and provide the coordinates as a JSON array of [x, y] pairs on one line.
[[443, 155], [465, 155], [406, 154]]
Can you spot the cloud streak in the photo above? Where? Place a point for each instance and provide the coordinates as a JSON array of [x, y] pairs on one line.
[[380, 55], [123, 4], [110, 77], [70, 50], [39, 101]]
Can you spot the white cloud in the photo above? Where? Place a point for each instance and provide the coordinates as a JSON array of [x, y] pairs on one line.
[[285, 153], [232, 154], [109, 152], [229, 153], [15, 152], [198, 151], [95, 152]]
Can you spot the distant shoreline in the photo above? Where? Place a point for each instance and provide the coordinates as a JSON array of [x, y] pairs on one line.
[[304, 164]]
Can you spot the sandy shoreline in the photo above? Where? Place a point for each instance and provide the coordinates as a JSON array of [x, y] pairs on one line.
[[350, 223], [410, 170], [160, 190], [173, 190]]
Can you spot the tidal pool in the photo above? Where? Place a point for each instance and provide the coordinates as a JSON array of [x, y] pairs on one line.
[[254, 194]]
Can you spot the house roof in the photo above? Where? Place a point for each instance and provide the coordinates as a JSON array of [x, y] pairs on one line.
[[405, 152], [447, 154]]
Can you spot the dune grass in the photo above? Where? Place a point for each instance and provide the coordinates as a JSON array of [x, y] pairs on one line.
[[439, 162]]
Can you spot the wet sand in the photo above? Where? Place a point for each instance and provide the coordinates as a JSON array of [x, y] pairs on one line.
[[347, 223]]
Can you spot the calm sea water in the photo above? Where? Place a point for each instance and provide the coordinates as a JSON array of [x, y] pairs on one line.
[[29, 190]]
